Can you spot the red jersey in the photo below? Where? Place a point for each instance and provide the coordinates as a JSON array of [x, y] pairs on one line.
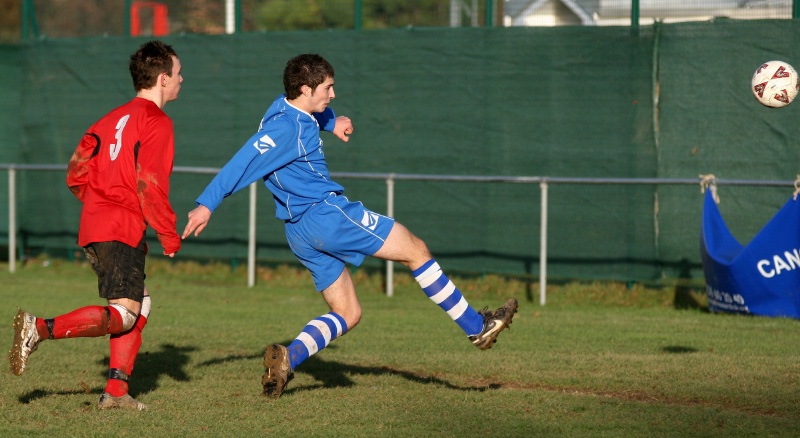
[[120, 171]]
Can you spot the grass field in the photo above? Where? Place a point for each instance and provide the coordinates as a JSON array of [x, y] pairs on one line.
[[598, 360]]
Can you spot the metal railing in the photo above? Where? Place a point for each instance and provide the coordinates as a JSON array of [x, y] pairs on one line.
[[390, 179]]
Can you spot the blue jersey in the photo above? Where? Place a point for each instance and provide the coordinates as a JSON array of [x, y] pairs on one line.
[[286, 153]]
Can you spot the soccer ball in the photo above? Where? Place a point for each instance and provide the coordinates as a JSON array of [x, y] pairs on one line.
[[775, 84]]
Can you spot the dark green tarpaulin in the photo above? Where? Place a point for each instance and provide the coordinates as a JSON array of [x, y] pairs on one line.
[[667, 101]]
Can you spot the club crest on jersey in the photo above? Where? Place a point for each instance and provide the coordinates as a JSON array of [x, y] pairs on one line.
[[370, 220], [264, 144]]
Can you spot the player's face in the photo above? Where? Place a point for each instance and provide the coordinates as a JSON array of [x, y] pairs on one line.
[[322, 96], [173, 83]]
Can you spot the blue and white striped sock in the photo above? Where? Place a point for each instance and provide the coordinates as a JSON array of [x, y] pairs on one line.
[[443, 292], [316, 335]]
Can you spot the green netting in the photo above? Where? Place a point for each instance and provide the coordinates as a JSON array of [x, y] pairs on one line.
[[10, 78], [710, 123], [559, 102]]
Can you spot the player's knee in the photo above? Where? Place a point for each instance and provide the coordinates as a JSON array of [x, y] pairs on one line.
[[423, 251], [146, 306], [352, 323], [419, 256], [352, 316], [417, 248], [128, 316]]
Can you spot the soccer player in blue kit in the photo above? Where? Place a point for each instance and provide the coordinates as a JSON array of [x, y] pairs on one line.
[[324, 229]]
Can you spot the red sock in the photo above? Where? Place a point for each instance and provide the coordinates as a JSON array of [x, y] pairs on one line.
[[86, 322], [124, 348], [41, 327]]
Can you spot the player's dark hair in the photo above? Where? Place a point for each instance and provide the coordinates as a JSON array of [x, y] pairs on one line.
[[152, 59], [307, 69]]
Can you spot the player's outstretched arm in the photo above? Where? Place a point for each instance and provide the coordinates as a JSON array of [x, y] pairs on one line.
[[198, 219], [343, 128]]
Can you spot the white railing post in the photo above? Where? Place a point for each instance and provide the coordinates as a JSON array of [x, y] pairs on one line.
[[543, 246], [251, 239], [230, 16], [12, 220], [390, 213]]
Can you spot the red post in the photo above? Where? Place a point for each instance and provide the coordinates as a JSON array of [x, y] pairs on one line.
[[160, 21]]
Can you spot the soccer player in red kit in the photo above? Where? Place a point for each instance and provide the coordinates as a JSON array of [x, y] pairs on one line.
[[120, 172]]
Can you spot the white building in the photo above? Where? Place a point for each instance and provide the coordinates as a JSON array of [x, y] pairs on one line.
[[618, 12]]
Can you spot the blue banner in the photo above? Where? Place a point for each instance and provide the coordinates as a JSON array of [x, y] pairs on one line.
[[762, 278]]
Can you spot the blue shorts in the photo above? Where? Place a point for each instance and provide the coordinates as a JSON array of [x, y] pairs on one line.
[[333, 232]]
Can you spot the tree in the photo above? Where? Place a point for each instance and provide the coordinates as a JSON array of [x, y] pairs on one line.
[[10, 20], [339, 14]]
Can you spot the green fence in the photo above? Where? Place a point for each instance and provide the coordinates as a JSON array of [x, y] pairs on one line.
[[668, 101]]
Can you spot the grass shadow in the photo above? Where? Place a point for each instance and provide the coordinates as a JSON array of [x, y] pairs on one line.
[[685, 298], [170, 360], [36, 394], [678, 349], [332, 374]]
